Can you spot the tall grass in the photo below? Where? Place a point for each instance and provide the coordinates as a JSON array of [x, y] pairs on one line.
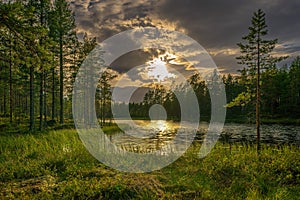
[[56, 165]]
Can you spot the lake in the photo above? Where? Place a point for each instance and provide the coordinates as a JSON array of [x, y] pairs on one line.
[[147, 136]]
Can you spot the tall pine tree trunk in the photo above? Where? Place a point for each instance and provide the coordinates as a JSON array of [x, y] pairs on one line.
[[31, 91], [61, 85], [10, 83], [4, 99], [258, 98], [41, 100], [45, 101], [42, 70], [53, 94]]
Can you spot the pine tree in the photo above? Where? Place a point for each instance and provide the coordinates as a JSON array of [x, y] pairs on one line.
[[256, 56], [104, 95], [294, 77], [62, 27]]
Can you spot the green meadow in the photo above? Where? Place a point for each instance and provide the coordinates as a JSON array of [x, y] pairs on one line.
[[56, 165]]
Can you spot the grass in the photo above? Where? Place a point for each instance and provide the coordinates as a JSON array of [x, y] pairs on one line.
[[55, 165]]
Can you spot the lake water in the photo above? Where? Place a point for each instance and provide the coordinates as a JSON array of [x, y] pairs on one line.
[[147, 136]]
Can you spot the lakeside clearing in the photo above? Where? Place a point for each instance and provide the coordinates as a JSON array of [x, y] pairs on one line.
[[56, 165]]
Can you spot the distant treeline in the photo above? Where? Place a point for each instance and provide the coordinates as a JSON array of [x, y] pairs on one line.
[[280, 96]]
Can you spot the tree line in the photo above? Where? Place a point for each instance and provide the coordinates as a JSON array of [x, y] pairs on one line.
[[40, 55], [280, 95]]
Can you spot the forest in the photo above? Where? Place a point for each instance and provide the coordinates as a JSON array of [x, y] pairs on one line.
[[43, 157], [41, 54]]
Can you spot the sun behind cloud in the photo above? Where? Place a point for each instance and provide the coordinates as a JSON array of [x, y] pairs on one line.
[[157, 69]]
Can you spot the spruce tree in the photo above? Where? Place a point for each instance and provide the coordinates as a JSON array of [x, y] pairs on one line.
[[255, 56]]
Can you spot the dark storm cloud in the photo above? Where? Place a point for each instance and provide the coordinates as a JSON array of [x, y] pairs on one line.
[[209, 22], [104, 18], [132, 59], [216, 24]]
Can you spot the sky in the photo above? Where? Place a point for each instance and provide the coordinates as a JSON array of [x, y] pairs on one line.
[[215, 24]]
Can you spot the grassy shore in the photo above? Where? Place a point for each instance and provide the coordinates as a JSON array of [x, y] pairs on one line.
[[55, 165]]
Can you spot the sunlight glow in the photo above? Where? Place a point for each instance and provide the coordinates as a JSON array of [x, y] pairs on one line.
[[159, 125], [157, 69]]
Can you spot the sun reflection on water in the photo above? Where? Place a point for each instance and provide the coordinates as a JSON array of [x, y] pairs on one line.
[[159, 125]]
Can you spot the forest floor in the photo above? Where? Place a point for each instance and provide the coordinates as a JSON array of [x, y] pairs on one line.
[[56, 165]]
